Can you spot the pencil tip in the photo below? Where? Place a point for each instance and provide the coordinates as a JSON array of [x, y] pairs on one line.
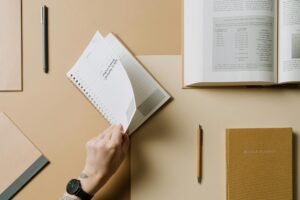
[[199, 179]]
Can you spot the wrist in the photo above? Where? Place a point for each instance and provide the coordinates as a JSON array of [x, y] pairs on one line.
[[91, 183], [74, 188]]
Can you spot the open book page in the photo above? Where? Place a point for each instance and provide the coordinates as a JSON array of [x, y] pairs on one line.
[[100, 75], [289, 41], [193, 41], [149, 95], [237, 40]]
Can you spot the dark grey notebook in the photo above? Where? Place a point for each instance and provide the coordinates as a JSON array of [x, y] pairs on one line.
[[20, 160]]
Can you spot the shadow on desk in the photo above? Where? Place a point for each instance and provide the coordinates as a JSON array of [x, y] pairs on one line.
[[295, 166], [154, 134], [119, 186]]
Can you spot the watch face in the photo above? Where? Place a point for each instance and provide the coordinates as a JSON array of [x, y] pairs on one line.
[[73, 186]]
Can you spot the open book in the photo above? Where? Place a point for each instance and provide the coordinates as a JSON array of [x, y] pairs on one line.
[[241, 42], [116, 83]]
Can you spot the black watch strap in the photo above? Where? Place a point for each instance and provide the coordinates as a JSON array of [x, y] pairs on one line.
[[74, 188], [83, 195]]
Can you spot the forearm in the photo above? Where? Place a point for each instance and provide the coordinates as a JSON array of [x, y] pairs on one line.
[[105, 154]]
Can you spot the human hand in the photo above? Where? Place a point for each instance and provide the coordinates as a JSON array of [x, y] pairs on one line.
[[105, 154]]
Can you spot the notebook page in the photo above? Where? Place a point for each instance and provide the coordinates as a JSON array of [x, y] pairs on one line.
[[149, 95], [102, 78]]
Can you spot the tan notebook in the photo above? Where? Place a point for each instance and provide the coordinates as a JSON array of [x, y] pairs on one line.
[[10, 45], [20, 160], [259, 164]]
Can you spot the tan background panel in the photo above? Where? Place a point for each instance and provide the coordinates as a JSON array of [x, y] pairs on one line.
[[148, 27], [163, 162]]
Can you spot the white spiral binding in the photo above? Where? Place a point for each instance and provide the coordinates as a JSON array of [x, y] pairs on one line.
[[92, 98]]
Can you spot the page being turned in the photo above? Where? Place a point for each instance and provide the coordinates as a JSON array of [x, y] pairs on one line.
[[149, 95], [100, 75]]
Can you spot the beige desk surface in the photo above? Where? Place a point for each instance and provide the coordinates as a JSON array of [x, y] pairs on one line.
[[59, 120], [163, 163]]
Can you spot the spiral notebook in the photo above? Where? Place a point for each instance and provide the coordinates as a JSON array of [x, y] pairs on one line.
[[116, 83]]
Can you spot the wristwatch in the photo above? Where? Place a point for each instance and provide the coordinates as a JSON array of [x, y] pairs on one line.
[[74, 188]]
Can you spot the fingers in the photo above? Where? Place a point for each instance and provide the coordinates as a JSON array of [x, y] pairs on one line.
[[117, 135], [125, 144], [91, 143], [106, 133]]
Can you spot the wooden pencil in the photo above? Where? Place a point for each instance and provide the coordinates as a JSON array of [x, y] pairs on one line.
[[199, 153]]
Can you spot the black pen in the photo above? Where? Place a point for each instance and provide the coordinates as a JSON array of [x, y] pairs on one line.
[[44, 21]]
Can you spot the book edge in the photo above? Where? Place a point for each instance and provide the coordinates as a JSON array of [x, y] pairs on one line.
[[25, 178]]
